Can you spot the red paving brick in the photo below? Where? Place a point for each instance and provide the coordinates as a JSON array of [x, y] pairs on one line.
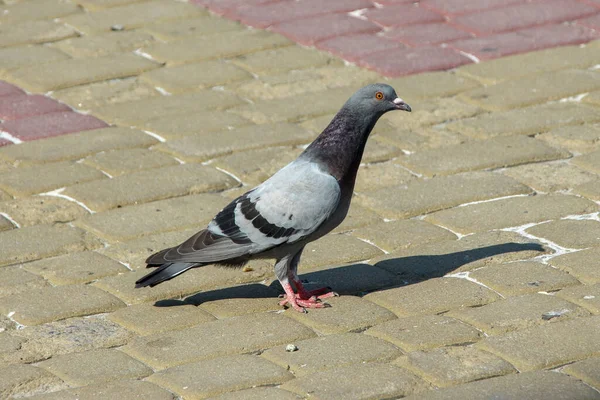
[[352, 47], [520, 16], [54, 124], [310, 30], [427, 34], [21, 106], [6, 89], [590, 22], [401, 62], [522, 41], [402, 14], [457, 7], [266, 15]]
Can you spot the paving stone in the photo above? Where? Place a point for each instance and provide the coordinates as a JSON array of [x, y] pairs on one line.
[[6, 89], [304, 81], [5, 224], [520, 312], [425, 196], [136, 112], [525, 121], [132, 16], [425, 332], [204, 123], [126, 389], [422, 138], [31, 180], [428, 112], [295, 108], [550, 177], [439, 258], [38, 306], [54, 124], [120, 162], [579, 139], [76, 145], [227, 44], [336, 249], [204, 147], [115, 91], [590, 161], [524, 40], [516, 278], [522, 16], [525, 386], [512, 212], [96, 366], [346, 314], [31, 243], [17, 107], [258, 393], [165, 182], [474, 155], [20, 56], [255, 166], [389, 15], [75, 268], [133, 253], [36, 343], [402, 234], [433, 296], [14, 280], [586, 296], [237, 300], [449, 366], [378, 175], [378, 151], [532, 63], [26, 380], [569, 233], [37, 210], [32, 32], [104, 44], [586, 370], [245, 371], [202, 75], [199, 279], [322, 27], [532, 90], [288, 58], [582, 264], [323, 353], [147, 319], [432, 85], [352, 47], [167, 31], [589, 190], [36, 10], [427, 34], [67, 73], [96, 5], [358, 381], [217, 338], [317, 125], [546, 346]]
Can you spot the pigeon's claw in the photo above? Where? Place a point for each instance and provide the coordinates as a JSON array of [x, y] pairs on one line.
[[303, 300], [320, 293]]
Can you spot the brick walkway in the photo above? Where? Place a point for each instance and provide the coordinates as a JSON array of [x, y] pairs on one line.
[[468, 266]]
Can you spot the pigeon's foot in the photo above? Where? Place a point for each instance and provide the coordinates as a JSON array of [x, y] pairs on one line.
[[321, 293], [301, 301]]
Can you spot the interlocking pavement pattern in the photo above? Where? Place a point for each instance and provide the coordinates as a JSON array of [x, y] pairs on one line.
[[468, 266]]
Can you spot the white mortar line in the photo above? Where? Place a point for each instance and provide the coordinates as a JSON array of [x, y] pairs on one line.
[[10, 138], [155, 136], [465, 275], [490, 200], [162, 91], [471, 57], [58, 193], [372, 244], [12, 221], [584, 217], [230, 174], [106, 173], [10, 317], [126, 265]]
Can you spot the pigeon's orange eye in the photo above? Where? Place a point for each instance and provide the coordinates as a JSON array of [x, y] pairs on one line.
[[379, 96]]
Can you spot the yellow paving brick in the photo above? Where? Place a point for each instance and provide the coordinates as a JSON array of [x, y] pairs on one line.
[[26, 380], [104, 44], [21, 56], [124, 161], [31, 32], [132, 16], [36, 210], [124, 389], [432, 85], [167, 31], [37, 10], [97, 5], [288, 58], [14, 280], [67, 73]]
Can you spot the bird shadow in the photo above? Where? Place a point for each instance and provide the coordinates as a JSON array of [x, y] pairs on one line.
[[360, 279]]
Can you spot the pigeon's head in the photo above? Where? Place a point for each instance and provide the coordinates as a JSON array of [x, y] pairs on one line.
[[378, 99]]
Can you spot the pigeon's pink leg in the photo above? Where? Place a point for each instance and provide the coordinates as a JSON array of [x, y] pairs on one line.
[[298, 303], [320, 294]]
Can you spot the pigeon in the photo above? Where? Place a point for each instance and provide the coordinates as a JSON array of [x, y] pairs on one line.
[[300, 203]]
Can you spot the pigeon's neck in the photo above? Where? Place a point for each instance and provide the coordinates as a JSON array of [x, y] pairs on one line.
[[339, 148]]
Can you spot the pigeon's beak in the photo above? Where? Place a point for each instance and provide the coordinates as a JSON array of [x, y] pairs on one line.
[[401, 105]]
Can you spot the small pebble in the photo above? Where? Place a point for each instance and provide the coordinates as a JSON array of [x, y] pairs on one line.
[[117, 27], [291, 347]]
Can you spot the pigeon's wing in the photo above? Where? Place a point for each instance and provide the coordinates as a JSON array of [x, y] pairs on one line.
[[286, 208]]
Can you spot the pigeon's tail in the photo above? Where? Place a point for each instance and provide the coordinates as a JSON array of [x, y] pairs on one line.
[[164, 273]]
